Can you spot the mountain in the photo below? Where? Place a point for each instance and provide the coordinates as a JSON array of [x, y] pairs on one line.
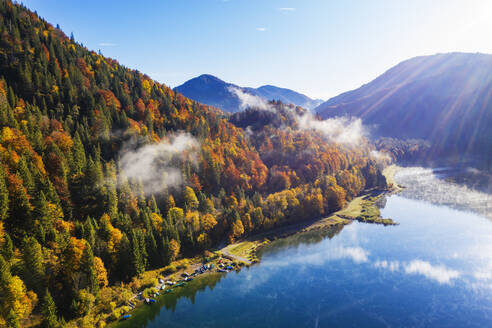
[[212, 91], [445, 99]]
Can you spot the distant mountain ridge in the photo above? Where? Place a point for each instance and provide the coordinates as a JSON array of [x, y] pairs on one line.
[[213, 91], [445, 99]]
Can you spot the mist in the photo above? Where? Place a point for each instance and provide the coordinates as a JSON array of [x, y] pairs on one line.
[[341, 130], [157, 166], [380, 156], [248, 100], [431, 185]]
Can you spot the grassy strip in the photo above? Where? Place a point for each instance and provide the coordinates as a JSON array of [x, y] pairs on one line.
[[246, 250], [364, 209]]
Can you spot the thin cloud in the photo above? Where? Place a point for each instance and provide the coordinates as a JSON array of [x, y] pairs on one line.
[[261, 29], [158, 165], [107, 44], [339, 129], [248, 100], [287, 9]]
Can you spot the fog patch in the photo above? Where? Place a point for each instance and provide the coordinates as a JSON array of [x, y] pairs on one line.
[[343, 130], [432, 186], [379, 156], [158, 166], [248, 100]]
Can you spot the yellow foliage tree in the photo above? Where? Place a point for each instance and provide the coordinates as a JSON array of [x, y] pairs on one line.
[[237, 230], [114, 234], [208, 222], [156, 221], [18, 299], [190, 199], [193, 218], [101, 273], [174, 246]]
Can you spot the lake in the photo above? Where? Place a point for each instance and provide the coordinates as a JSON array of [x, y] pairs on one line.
[[434, 269]]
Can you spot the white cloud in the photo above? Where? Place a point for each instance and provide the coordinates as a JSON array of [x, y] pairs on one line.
[[157, 165], [107, 44], [439, 273], [248, 100], [261, 29], [287, 9], [340, 129]]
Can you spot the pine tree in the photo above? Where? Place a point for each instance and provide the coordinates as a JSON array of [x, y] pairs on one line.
[[5, 280], [137, 256], [89, 233], [88, 266], [33, 265], [48, 309], [4, 196], [79, 159], [124, 262], [166, 253], [7, 250]]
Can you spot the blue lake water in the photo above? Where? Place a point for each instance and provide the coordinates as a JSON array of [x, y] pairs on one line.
[[434, 269]]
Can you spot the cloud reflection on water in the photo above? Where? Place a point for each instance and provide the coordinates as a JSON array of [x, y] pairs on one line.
[[439, 273]]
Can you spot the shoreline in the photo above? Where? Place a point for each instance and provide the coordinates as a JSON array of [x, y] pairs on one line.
[[244, 252], [389, 173], [362, 209]]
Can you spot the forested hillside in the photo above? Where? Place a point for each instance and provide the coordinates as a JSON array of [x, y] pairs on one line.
[[106, 173]]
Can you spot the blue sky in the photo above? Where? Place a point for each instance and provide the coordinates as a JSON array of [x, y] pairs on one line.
[[317, 47]]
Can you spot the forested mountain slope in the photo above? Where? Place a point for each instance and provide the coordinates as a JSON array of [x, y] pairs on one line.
[[105, 173]]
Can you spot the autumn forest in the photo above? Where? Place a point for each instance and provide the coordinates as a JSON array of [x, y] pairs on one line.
[[77, 218]]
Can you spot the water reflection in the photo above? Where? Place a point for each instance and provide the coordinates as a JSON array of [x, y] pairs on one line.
[[142, 316], [439, 273]]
